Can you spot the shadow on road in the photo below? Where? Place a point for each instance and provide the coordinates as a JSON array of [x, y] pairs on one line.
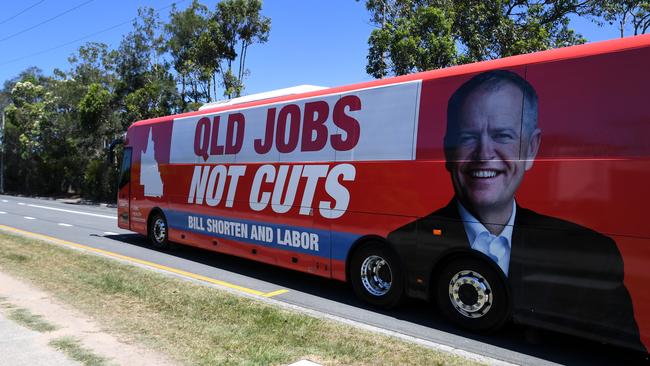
[[546, 345]]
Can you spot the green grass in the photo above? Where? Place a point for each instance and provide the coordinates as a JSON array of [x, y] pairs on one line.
[[73, 349], [195, 324], [35, 322]]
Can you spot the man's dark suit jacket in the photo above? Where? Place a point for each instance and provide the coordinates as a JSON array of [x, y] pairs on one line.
[[562, 275]]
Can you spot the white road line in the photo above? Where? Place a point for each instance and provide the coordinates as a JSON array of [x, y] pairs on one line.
[[5, 201], [2, 213], [110, 233], [22, 203], [62, 224], [72, 211], [29, 218]]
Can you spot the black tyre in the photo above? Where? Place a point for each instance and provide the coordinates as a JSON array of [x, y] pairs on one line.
[[159, 231], [472, 294], [376, 275]]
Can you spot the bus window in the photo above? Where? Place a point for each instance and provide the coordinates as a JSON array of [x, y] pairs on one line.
[[125, 169]]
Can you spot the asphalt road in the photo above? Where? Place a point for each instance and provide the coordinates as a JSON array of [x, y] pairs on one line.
[[96, 227]]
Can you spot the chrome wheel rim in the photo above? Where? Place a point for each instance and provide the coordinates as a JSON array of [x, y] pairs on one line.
[[470, 294], [376, 275], [159, 230]]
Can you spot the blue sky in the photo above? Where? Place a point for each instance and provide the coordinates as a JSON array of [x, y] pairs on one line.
[[311, 42]]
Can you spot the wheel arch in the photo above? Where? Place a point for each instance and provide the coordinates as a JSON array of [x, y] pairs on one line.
[[152, 212], [360, 242]]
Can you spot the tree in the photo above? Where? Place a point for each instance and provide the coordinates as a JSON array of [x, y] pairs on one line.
[[145, 87], [241, 25], [140, 51], [92, 63], [156, 98], [412, 43], [183, 29], [87, 105], [625, 14], [33, 137], [94, 109], [205, 44], [418, 35]]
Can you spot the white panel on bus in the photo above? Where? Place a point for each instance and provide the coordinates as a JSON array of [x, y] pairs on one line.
[[383, 120], [388, 120], [182, 149], [255, 129], [326, 153]]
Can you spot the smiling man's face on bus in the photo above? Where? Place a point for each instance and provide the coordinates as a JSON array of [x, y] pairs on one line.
[[483, 149]]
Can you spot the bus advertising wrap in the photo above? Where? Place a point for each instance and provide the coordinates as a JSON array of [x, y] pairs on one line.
[[539, 168]]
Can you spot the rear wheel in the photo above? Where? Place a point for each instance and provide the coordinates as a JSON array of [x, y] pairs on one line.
[[376, 275], [158, 231], [472, 294]]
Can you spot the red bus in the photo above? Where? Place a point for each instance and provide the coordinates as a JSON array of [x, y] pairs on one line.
[[512, 189]]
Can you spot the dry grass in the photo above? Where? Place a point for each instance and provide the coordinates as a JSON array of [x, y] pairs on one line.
[[32, 321], [199, 325], [73, 349]]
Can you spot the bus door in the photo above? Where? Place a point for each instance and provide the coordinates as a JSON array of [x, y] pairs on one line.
[[124, 190]]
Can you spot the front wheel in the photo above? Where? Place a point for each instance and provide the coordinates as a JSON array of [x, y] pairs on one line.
[[159, 232], [472, 294], [376, 275]]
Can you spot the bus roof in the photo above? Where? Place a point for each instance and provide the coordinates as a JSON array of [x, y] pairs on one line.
[[299, 89], [564, 53]]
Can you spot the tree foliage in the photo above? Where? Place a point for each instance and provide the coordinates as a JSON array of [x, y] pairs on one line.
[[418, 35], [240, 25], [183, 30], [58, 127], [207, 46], [631, 15]]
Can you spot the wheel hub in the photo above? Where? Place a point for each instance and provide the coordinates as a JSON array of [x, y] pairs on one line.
[[470, 294], [159, 230], [376, 275]]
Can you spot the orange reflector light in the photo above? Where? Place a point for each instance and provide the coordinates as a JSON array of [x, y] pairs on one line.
[[437, 232]]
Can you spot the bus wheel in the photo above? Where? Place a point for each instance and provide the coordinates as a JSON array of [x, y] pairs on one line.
[[471, 294], [158, 231], [376, 276]]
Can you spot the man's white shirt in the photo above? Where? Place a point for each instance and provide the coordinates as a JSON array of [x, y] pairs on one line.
[[496, 247]]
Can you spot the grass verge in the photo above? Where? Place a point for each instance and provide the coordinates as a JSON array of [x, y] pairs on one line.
[[199, 325], [73, 349], [32, 321]]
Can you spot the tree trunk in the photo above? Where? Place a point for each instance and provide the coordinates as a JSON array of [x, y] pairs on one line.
[[214, 84], [209, 79], [183, 103]]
